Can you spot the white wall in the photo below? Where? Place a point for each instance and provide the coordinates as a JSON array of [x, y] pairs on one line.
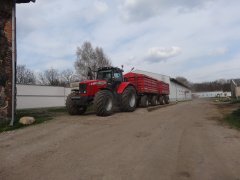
[[179, 93], [32, 96], [211, 94]]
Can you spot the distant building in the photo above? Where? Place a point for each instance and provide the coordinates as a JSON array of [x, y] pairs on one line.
[[178, 91], [211, 94], [235, 88]]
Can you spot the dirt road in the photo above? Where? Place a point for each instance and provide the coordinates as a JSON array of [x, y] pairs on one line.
[[183, 141]]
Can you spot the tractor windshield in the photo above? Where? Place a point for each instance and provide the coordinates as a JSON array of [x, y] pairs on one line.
[[104, 75]]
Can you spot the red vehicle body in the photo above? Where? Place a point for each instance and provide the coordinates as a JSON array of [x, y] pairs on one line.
[[112, 88], [147, 85]]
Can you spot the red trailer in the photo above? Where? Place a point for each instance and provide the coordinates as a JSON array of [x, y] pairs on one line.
[[149, 90]]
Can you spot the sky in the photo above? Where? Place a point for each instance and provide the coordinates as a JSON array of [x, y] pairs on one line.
[[197, 39]]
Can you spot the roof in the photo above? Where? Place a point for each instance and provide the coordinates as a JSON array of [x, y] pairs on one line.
[[109, 68], [179, 83], [24, 1], [236, 82]]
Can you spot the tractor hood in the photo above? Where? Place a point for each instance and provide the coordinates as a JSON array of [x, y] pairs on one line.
[[94, 82], [91, 87]]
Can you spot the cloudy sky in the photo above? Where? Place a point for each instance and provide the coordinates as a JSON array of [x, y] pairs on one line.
[[197, 39]]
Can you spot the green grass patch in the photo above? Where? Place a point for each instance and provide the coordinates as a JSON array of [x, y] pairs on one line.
[[40, 115], [235, 101], [233, 119]]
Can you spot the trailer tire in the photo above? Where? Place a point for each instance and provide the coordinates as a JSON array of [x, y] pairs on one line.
[[154, 100], [103, 103], [161, 100], [72, 108], [129, 99], [144, 101], [166, 99]]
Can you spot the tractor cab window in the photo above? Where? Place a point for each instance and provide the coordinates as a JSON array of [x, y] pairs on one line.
[[105, 75], [117, 76]]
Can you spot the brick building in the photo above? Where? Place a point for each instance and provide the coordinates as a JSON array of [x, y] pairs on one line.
[[7, 35], [5, 60]]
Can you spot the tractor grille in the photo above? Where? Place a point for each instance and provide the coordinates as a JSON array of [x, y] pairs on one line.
[[82, 88]]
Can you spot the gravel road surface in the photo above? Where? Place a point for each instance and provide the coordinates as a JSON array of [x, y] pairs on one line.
[[183, 141]]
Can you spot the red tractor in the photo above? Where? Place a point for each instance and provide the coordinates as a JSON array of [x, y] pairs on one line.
[[112, 88], [108, 90]]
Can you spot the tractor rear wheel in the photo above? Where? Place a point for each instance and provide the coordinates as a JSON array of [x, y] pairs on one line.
[[103, 103], [72, 108], [161, 100], [154, 101], [144, 101], [129, 99]]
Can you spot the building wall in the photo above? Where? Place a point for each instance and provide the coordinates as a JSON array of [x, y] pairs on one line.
[[5, 60], [177, 92], [211, 94], [31, 96], [237, 92]]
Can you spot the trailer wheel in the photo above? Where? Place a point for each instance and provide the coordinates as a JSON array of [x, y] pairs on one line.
[[144, 101], [129, 99], [72, 108], [166, 99], [154, 101], [161, 100], [103, 103]]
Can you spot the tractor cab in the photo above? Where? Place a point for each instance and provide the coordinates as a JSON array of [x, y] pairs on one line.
[[112, 75]]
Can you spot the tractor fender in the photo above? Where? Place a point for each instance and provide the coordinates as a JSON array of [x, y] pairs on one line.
[[123, 86]]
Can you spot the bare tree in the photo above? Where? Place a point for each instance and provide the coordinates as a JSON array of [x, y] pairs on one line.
[[25, 75], [101, 58], [49, 77], [68, 76], [184, 81], [88, 57]]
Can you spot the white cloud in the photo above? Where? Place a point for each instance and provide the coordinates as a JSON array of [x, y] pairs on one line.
[[157, 54], [100, 6], [227, 69], [218, 51], [48, 33], [140, 10]]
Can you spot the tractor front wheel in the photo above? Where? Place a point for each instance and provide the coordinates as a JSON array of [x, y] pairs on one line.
[[72, 108], [103, 103]]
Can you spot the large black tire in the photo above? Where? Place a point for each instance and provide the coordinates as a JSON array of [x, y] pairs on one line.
[[144, 101], [154, 101], [72, 108], [161, 100], [129, 99], [103, 103], [166, 99]]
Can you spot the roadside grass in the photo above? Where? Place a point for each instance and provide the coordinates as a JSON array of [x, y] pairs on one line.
[[235, 101], [40, 115], [233, 119]]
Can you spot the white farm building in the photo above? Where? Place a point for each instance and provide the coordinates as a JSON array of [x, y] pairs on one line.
[[178, 91]]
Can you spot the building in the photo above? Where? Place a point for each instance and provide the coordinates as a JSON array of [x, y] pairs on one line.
[[211, 94], [8, 58], [235, 88], [178, 91]]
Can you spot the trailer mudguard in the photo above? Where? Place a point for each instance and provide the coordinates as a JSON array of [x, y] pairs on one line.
[[123, 86]]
